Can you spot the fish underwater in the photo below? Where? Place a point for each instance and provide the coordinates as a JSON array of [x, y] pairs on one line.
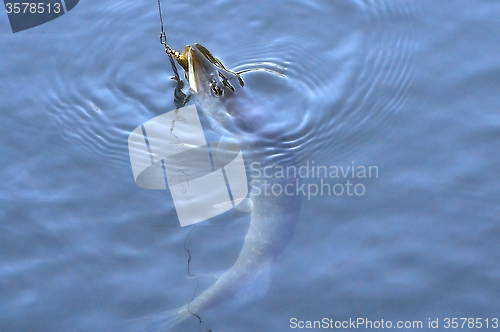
[[234, 112]]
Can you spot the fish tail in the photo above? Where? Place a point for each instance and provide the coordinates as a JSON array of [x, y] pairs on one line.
[[164, 321]]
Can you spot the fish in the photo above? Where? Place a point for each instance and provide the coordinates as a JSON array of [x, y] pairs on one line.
[[236, 114]]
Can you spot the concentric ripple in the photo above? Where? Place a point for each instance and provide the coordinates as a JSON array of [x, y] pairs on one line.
[[335, 81], [341, 89]]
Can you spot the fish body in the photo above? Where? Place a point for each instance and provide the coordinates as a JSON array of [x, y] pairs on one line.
[[236, 114]]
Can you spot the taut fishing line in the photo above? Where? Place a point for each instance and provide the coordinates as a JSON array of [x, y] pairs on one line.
[[180, 98]]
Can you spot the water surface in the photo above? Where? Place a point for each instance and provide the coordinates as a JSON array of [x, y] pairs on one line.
[[409, 87]]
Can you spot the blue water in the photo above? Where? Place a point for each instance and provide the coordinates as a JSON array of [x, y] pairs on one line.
[[409, 87]]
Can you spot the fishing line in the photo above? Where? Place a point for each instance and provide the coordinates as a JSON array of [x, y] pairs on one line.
[[168, 50], [180, 98], [191, 275]]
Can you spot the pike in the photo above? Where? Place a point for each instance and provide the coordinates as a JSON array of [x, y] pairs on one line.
[[237, 115]]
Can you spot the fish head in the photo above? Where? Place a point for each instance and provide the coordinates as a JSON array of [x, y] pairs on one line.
[[207, 74], [214, 86]]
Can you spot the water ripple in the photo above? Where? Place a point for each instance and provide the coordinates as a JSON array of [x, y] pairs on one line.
[[342, 89], [340, 81]]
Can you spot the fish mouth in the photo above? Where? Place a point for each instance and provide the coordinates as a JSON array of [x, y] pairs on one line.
[[202, 68]]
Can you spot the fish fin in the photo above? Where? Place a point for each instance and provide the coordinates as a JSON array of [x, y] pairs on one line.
[[245, 205], [164, 321], [254, 288]]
